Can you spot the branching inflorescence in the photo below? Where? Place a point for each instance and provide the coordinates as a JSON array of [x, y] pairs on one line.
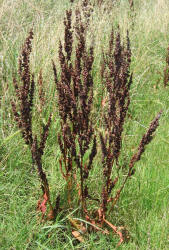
[[23, 109], [77, 138], [75, 97], [117, 79]]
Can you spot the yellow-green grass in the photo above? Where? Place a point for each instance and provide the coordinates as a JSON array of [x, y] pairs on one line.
[[143, 207]]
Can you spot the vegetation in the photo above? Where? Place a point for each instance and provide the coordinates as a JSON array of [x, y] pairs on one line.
[[166, 70], [84, 96]]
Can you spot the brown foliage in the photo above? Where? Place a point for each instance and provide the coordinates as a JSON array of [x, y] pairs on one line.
[[75, 97], [77, 138], [166, 70], [117, 79], [23, 108]]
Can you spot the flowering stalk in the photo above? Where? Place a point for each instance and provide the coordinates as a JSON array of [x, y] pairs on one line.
[[22, 110], [75, 98]]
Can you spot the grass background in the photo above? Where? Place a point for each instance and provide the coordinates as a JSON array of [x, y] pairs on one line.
[[143, 207]]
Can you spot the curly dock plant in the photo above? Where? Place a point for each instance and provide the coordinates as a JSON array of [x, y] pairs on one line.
[[78, 135], [117, 79], [75, 98], [22, 108], [78, 139]]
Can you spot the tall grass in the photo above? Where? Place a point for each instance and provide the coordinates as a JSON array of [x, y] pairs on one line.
[[143, 208]]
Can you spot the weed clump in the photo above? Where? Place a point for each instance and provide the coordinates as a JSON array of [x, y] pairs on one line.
[[78, 139]]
